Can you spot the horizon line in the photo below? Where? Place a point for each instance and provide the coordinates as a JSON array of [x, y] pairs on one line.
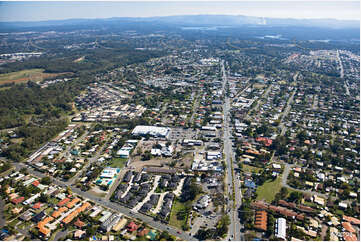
[[164, 16]]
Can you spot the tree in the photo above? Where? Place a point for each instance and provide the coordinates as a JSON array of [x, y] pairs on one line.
[[295, 197], [190, 191], [69, 191], [24, 170], [90, 230], [147, 155], [281, 194], [46, 180], [43, 198]]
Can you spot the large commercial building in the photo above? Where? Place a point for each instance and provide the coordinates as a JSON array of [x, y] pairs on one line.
[[154, 131]]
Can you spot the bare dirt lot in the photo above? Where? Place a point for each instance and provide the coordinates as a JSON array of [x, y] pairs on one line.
[[180, 159]]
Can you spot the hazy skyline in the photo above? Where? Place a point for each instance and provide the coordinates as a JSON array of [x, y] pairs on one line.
[[37, 11]]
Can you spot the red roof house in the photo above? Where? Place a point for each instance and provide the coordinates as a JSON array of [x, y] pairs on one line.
[[17, 200], [63, 202], [348, 227], [132, 227], [36, 183], [37, 205], [349, 236]]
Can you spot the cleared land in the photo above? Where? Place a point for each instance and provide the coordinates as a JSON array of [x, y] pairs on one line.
[[118, 162], [35, 75], [269, 189], [249, 168], [80, 59], [177, 207]]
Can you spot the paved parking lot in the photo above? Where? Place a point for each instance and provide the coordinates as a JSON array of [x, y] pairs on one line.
[[180, 133]]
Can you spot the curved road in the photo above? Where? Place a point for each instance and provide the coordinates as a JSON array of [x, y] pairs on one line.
[[285, 174]]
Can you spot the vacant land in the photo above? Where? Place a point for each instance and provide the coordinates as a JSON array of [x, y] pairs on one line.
[[35, 75], [80, 59], [118, 162], [248, 168], [269, 189], [177, 207]]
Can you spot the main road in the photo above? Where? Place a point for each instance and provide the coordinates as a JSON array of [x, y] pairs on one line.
[[342, 73], [233, 185]]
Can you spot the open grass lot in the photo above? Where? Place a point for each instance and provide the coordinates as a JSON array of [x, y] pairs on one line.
[[118, 162], [53, 201], [269, 189], [26, 75], [248, 168], [177, 206]]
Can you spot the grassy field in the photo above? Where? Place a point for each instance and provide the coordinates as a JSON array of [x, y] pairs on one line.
[[26, 75], [177, 206], [249, 168], [118, 162], [269, 189]]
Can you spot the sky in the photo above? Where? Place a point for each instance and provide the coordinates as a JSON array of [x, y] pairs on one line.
[[52, 10]]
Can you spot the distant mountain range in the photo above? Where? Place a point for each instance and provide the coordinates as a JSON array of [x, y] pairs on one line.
[[197, 20]]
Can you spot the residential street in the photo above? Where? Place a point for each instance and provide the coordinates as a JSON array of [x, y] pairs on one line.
[[285, 113], [113, 206], [90, 161]]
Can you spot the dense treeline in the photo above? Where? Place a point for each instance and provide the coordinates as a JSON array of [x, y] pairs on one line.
[[33, 136], [37, 113], [28, 99], [99, 59]]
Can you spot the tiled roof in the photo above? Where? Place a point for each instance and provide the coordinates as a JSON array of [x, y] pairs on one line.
[[261, 220], [351, 219], [63, 202], [348, 227]]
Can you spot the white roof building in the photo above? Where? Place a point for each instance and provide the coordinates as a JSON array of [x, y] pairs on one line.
[[213, 155], [28, 182], [31, 199], [280, 228], [106, 215], [123, 153], [276, 166], [142, 130], [109, 172], [211, 128], [156, 152], [342, 205]]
